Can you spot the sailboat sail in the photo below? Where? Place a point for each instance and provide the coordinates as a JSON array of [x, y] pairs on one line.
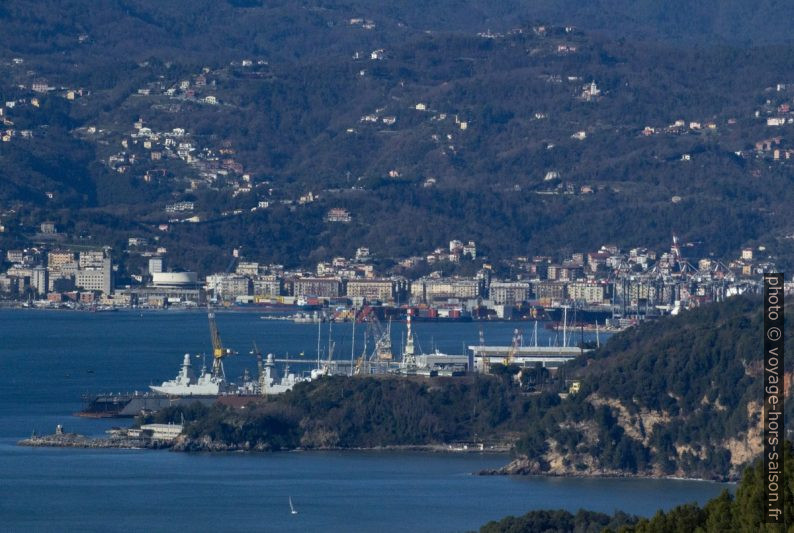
[[292, 507]]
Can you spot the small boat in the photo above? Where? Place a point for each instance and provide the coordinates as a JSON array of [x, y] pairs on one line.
[[292, 507]]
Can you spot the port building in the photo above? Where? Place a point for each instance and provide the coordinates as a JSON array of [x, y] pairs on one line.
[[547, 356]]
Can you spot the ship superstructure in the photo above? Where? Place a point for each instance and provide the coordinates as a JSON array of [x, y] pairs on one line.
[[270, 382], [206, 383], [186, 383]]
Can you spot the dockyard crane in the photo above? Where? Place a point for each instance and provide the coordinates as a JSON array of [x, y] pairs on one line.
[[359, 368], [382, 353], [380, 335], [508, 360], [218, 351], [362, 359], [361, 362], [409, 352]]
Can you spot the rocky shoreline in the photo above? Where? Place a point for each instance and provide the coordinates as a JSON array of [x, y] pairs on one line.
[[73, 440], [206, 444], [518, 467], [524, 466], [528, 467]]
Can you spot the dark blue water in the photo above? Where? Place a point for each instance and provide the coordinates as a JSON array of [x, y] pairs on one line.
[[48, 359]]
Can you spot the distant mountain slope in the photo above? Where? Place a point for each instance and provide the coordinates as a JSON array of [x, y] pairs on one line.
[[453, 120], [731, 21], [240, 25]]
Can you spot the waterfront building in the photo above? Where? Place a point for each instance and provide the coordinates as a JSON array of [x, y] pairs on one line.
[[26, 277], [95, 278], [38, 280], [509, 292], [270, 285], [228, 287], [549, 291], [317, 287], [175, 279], [428, 290], [383, 290], [590, 293]]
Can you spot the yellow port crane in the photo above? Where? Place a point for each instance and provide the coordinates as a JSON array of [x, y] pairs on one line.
[[218, 351]]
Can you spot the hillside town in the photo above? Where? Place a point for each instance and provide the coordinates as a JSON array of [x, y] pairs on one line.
[[162, 143], [626, 285], [188, 162]]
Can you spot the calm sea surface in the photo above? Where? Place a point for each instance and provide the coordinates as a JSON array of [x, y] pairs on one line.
[[48, 359]]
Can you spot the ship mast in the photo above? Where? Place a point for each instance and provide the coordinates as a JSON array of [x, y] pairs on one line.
[[565, 326], [535, 334], [353, 342], [319, 334], [409, 358]]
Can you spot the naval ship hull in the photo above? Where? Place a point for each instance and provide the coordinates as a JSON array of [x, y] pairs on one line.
[[130, 405]]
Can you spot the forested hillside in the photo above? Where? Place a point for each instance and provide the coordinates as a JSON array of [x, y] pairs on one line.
[[680, 396], [458, 120]]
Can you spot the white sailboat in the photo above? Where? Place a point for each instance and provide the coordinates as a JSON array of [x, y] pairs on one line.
[[292, 507]]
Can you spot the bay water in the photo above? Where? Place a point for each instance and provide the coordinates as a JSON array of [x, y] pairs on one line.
[[48, 359]]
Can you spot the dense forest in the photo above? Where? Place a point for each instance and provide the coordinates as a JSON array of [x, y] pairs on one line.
[[676, 397], [465, 120], [739, 511]]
